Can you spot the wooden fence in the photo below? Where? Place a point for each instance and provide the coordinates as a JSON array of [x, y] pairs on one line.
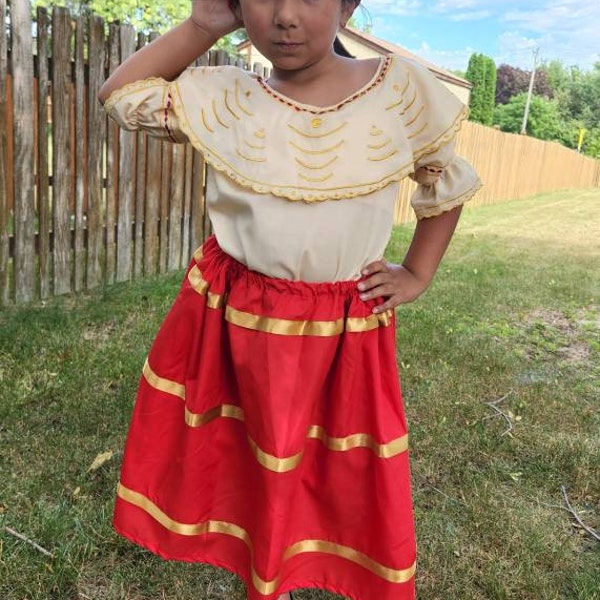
[[83, 203]]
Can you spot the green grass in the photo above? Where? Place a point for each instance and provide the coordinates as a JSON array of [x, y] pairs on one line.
[[513, 314]]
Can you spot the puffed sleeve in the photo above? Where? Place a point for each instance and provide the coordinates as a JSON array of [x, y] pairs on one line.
[[444, 179], [147, 105]]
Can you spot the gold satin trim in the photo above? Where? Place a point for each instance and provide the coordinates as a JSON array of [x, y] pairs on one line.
[[283, 326], [270, 461], [162, 384], [200, 285], [265, 587], [359, 440], [312, 328], [223, 410]]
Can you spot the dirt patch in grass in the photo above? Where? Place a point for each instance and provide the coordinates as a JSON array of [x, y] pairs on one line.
[[552, 331]]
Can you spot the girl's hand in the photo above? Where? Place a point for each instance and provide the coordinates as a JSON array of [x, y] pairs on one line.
[[394, 282], [215, 17]]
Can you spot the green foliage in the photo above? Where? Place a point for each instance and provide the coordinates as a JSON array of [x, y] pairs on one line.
[[481, 72], [544, 120], [144, 16], [575, 106]]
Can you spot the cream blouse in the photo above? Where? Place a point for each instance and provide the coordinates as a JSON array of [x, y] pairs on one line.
[[304, 192]]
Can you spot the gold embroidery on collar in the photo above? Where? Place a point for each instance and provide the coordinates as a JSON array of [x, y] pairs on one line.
[[380, 145], [316, 152], [316, 167], [315, 179], [237, 99], [250, 158], [409, 105], [205, 122], [414, 135], [255, 146], [317, 135], [260, 134], [216, 114], [413, 119], [264, 587], [375, 131], [380, 158], [228, 106]]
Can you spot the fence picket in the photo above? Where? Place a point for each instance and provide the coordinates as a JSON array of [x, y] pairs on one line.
[[24, 153], [176, 207], [62, 147], [96, 127], [80, 163], [125, 211], [112, 176], [43, 175], [5, 201]]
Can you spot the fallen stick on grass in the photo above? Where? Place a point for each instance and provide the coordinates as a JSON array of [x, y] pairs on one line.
[[577, 517], [28, 541], [500, 413]]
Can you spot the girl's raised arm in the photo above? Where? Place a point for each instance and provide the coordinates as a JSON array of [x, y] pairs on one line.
[[171, 53]]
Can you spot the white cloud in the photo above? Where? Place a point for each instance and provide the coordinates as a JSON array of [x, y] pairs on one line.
[[567, 30]]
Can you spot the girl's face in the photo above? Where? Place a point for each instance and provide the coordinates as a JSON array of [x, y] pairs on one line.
[[294, 34]]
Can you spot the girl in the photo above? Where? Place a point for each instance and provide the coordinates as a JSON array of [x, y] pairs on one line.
[[268, 435]]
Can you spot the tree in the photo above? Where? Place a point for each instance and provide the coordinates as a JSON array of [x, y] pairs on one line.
[[511, 81], [544, 120], [481, 72], [143, 16]]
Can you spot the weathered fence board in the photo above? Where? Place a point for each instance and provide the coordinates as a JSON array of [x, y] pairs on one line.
[[112, 178], [24, 153], [96, 128], [115, 205], [80, 145], [126, 198], [62, 149], [43, 165], [4, 189]]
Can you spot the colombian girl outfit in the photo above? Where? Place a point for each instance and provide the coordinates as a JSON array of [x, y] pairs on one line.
[[268, 436]]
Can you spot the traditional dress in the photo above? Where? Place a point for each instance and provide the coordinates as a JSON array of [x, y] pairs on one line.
[[268, 436]]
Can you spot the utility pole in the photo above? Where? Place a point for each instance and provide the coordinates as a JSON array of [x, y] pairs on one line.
[[530, 92]]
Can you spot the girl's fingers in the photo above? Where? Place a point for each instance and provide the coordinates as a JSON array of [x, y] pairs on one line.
[[376, 292], [373, 281], [389, 304], [375, 267]]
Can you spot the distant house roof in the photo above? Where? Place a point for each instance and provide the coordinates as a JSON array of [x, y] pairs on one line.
[[384, 47]]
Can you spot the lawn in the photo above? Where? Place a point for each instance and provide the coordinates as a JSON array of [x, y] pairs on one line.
[[501, 377]]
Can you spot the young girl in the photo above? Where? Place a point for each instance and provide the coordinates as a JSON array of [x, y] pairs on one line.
[[268, 436]]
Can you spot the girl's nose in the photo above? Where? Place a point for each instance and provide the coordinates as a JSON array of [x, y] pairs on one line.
[[285, 13]]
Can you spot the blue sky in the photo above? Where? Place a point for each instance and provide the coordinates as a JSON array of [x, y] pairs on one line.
[[447, 32]]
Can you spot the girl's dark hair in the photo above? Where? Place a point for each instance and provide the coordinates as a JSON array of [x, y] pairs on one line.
[[340, 49]]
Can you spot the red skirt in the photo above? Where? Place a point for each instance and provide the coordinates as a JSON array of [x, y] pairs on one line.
[[269, 437]]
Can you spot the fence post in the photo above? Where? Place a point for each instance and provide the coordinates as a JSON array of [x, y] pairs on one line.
[[4, 203], [62, 180], [96, 139], [24, 166]]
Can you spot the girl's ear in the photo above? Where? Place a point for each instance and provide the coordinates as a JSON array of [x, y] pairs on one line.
[[348, 8]]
